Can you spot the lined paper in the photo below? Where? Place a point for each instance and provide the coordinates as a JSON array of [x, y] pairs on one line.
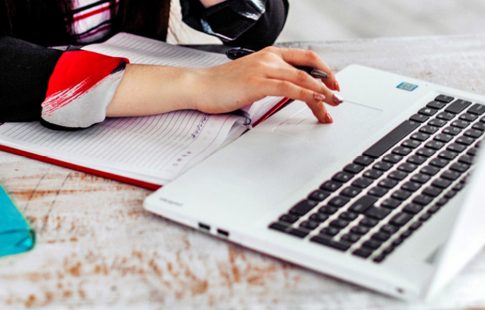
[[153, 149]]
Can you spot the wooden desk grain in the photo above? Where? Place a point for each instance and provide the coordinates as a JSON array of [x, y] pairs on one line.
[[98, 248]]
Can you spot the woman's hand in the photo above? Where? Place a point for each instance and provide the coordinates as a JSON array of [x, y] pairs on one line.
[[148, 90], [269, 72]]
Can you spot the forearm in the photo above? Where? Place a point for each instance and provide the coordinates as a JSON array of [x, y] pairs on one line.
[[149, 90]]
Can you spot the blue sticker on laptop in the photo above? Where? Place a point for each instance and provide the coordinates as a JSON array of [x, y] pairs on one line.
[[407, 86]]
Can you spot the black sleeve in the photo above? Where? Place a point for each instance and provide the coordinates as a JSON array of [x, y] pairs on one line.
[[247, 23], [25, 69]]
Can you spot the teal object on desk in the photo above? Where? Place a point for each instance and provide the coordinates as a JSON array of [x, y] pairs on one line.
[[16, 236]]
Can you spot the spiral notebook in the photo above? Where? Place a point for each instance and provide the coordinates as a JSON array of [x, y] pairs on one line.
[[144, 151]]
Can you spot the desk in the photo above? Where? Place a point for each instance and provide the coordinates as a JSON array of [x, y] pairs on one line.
[[97, 247]]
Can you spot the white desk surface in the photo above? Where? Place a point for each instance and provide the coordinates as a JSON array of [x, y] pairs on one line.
[[98, 248]]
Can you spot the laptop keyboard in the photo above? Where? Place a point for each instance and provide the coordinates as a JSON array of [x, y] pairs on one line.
[[380, 199]]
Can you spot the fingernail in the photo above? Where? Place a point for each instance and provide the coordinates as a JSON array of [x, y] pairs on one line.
[[337, 86], [318, 97], [328, 118], [336, 99]]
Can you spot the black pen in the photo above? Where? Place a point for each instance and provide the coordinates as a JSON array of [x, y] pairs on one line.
[[235, 53]]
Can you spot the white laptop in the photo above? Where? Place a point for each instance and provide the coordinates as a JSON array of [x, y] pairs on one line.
[[380, 198]]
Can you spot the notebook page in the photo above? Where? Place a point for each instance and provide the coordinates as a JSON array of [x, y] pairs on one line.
[[155, 149]]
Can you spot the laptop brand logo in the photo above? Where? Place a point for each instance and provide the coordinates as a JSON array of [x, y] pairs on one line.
[[407, 86]]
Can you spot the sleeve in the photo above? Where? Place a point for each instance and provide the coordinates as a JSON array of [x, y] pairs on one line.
[[24, 73], [64, 90], [248, 23]]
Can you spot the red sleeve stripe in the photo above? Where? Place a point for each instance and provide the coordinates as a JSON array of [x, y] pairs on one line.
[[75, 73]]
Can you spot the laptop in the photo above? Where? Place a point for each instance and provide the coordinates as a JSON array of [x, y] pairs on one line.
[[387, 197]]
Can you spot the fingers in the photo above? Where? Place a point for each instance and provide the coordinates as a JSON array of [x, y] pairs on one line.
[[314, 100], [301, 57], [303, 79]]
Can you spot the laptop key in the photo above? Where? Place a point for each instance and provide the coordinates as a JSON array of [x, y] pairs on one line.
[[457, 106], [479, 126], [420, 136], [289, 218], [460, 123], [445, 116], [391, 203], [363, 252], [319, 217], [400, 219], [466, 159], [330, 231], [349, 237], [381, 236], [368, 222], [360, 230], [450, 175], [387, 183], [455, 147], [374, 173], [390, 229], [278, 226], [412, 144], [391, 139], [435, 145], [412, 208], [465, 140], [420, 118], [331, 186], [429, 170], [411, 186], [392, 158], [448, 155], [342, 176], [309, 224], [348, 216], [427, 111], [428, 129], [426, 152], [377, 191], [297, 232], [436, 105], [407, 167], [477, 109], [450, 130], [422, 200], [441, 183], [377, 213], [303, 207], [318, 195], [338, 201], [468, 117], [329, 210], [353, 168], [372, 244], [350, 191], [439, 162], [459, 167], [403, 151], [339, 223], [397, 175], [363, 160], [401, 195], [363, 203], [432, 191], [437, 122], [362, 182], [444, 98], [338, 245], [473, 133], [420, 178], [443, 137]]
